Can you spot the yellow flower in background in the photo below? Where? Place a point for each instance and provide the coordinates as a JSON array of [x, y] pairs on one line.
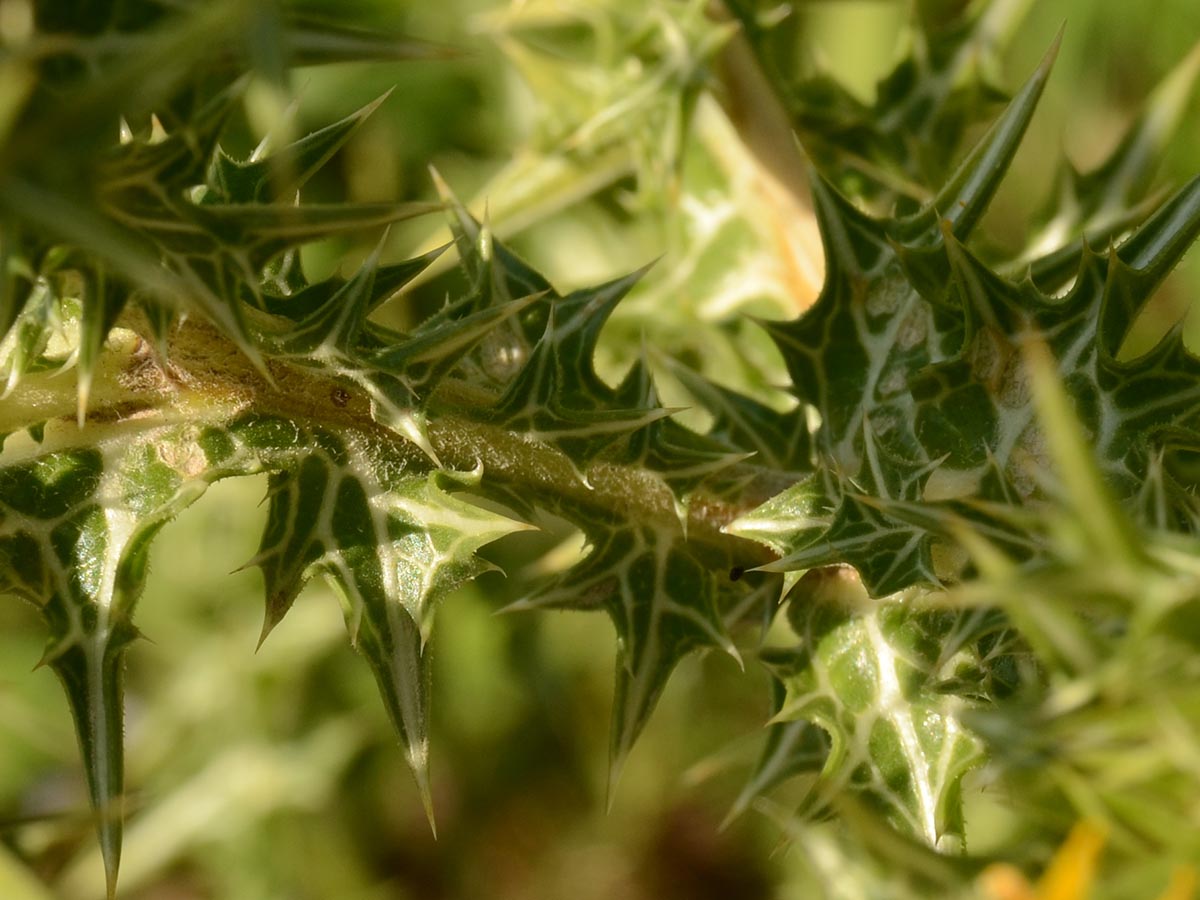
[[1072, 872]]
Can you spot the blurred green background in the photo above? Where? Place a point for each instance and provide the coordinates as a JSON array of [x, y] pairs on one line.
[[274, 774]]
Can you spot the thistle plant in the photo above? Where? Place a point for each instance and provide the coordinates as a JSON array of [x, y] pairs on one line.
[[961, 541]]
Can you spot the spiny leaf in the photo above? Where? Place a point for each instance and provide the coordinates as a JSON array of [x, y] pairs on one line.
[[963, 199], [849, 354], [790, 749], [333, 327], [1100, 517], [662, 601], [392, 541], [396, 372], [497, 275], [75, 528], [1159, 243], [912, 357], [982, 396], [76, 525], [682, 458], [313, 40], [822, 521], [261, 231], [1099, 204], [299, 303], [780, 441], [141, 207], [266, 177], [791, 520], [542, 361], [175, 160], [17, 274], [102, 301], [557, 395], [145, 71], [909, 137], [425, 536], [1109, 698], [870, 676], [434, 349]]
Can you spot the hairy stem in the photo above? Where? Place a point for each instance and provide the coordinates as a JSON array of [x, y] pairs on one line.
[[208, 380]]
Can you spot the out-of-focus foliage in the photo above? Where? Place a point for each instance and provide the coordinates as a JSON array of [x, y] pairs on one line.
[[1051, 686]]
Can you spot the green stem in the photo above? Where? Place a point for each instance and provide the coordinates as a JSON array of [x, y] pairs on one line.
[[208, 380]]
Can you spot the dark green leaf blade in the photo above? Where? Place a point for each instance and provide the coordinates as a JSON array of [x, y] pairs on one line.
[[392, 540]]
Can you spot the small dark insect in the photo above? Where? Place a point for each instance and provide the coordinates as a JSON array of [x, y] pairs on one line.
[[340, 397], [736, 573]]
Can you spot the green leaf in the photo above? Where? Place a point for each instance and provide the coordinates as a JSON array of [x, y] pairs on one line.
[[543, 360], [1108, 614], [964, 197], [75, 528], [598, 106], [913, 358], [872, 676], [300, 301], [396, 372], [315, 40], [17, 274], [1092, 207], [680, 457], [392, 540], [165, 213], [270, 176], [102, 299], [981, 397], [888, 151], [779, 441], [791, 748], [663, 601]]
